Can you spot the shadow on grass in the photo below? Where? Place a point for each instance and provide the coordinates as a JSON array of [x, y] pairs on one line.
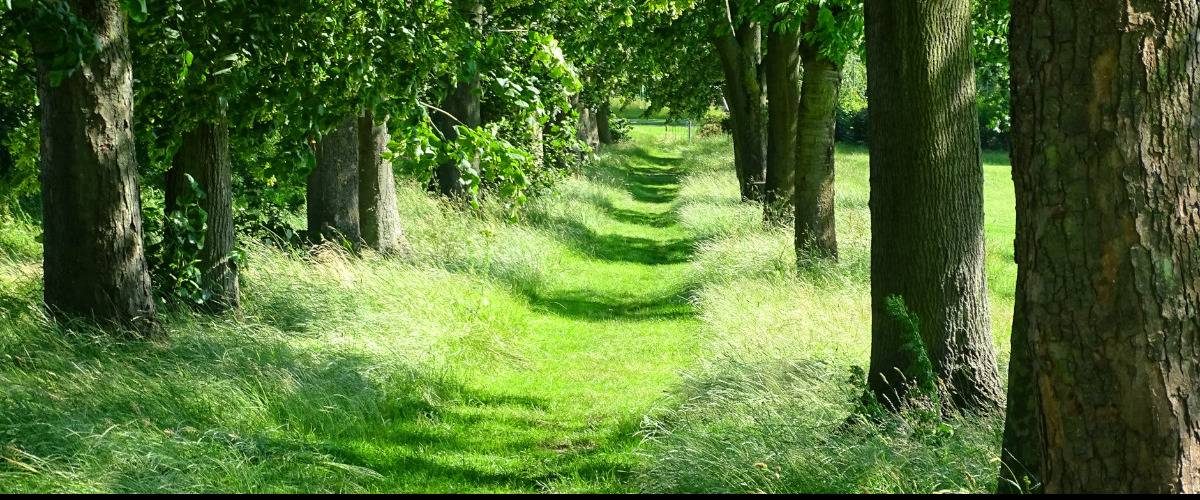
[[220, 410], [244, 404], [586, 305], [647, 156], [638, 217], [438, 461], [657, 183], [622, 248], [626, 161], [213, 409]]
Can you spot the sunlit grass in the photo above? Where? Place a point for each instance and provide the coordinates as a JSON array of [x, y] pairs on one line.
[[636, 329], [766, 410], [493, 357]]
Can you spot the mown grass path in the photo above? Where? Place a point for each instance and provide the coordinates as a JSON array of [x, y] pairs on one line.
[[603, 340]]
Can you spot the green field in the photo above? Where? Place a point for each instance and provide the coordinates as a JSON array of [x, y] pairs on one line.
[[637, 329]]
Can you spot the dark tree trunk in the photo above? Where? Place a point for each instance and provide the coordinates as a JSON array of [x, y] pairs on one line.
[[1020, 458], [927, 203], [7, 163], [204, 155], [463, 104], [378, 218], [783, 106], [741, 57], [814, 198], [333, 186], [1106, 143], [94, 261], [603, 127]]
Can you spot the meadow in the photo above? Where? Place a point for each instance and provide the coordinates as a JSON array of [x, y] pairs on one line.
[[635, 329]]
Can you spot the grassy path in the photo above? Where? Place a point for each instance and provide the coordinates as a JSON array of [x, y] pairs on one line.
[[603, 339], [508, 357], [499, 357]]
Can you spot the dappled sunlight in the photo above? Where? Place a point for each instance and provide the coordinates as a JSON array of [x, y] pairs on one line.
[[492, 357]]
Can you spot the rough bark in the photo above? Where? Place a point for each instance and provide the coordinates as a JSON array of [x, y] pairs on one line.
[[93, 256], [1106, 143], [379, 221], [603, 127], [204, 155], [333, 186], [462, 103], [741, 57], [782, 63], [814, 196], [927, 202]]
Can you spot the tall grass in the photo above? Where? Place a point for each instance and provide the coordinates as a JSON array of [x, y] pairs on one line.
[[785, 349], [329, 350], [501, 355]]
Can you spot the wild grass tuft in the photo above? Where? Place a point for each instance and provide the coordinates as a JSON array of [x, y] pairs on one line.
[[785, 347], [329, 350], [502, 355]]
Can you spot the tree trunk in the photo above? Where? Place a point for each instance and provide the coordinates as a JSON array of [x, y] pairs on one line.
[[379, 220], [927, 203], [204, 155], [603, 127], [783, 105], [741, 55], [333, 186], [814, 198], [586, 130], [463, 103], [7, 163], [537, 144], [1020, 456], [1106, 142], [94, 262]]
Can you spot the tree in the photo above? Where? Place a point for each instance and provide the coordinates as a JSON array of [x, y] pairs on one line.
[[782, 64], [990, 19], [461, 104], [588, 128], [603, 123], [202, 69], [671, 63], [738, 42], [399, 47], [203, 159], [1106, 340], [333, 186], [94, 265], [832, 29], [378, 219], [926, 204]]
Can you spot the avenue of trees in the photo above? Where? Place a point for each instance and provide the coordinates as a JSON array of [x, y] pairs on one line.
[[239, 111]]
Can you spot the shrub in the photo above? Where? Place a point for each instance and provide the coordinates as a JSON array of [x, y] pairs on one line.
[[715, 122]]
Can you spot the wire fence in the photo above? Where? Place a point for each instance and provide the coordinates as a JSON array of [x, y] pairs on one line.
[[673, 129]]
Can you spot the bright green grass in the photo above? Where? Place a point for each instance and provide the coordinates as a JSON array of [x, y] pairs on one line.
[[497, 357], [765, 410], [637, 330]]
